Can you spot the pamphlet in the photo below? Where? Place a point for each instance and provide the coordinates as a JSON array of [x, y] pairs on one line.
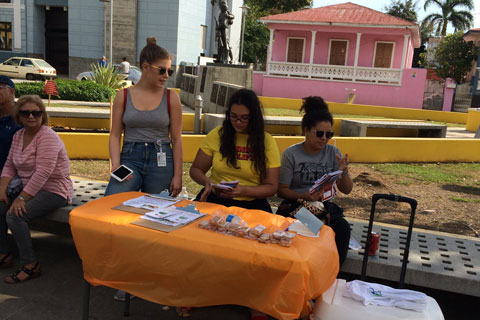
[[226, 185], [149, 202], [327, 183], [309, 220], [172, 216]]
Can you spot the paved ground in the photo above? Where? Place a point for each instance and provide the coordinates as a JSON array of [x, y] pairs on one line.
[[57, 293]]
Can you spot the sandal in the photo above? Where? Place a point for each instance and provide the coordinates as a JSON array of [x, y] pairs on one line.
[[6, 261], [31, 273], [184, 311]]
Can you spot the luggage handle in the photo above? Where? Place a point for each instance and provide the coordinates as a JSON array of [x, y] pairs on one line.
[[396, 198]]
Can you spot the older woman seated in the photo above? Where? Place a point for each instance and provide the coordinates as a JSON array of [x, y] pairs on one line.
[[39, 158]]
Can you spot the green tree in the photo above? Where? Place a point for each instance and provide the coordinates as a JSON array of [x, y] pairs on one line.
[[453, 57], [257, 34], [406, 9], [456, 12]]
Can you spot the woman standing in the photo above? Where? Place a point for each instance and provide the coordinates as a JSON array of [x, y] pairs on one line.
[[150, 116], [305, 162], [239, 150], [39, 158]]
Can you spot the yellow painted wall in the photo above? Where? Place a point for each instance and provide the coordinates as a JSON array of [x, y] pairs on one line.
[[95, 146], [473, 121], [377, 111], [92, 123]]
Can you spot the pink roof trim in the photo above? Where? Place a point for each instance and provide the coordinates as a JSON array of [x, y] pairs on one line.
[[345, 13]]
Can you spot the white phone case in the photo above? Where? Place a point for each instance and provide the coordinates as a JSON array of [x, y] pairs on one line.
[[117, 177]]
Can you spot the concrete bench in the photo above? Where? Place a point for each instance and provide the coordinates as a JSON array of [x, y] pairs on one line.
[[212, 120], [358, 128], [83, 192], [436, 260]]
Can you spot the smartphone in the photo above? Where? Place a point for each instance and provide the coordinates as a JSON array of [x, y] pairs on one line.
[[121, 173]]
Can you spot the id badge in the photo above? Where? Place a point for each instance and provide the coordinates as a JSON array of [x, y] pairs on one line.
[[161, 159]]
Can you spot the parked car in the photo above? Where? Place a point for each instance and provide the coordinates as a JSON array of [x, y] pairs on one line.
[[134, 75], [27, 68]]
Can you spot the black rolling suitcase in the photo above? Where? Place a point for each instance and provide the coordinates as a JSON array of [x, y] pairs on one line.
[[396, 198]]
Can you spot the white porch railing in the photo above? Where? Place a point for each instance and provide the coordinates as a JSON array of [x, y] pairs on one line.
[[336, 73]]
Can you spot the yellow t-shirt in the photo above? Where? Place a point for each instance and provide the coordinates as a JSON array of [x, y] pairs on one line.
[[245, 173]]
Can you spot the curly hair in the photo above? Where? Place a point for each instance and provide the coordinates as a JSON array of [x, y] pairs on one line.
[[316, 110], [256, 133]]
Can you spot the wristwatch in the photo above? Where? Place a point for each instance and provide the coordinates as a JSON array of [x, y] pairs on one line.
[[21, 198]]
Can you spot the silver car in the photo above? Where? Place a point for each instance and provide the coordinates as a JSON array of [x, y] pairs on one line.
[[134, 75]]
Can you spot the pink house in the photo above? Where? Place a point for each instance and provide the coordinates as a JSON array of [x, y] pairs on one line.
[[333, 50]]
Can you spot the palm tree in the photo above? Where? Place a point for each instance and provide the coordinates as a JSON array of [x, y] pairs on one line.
[[451, 13]]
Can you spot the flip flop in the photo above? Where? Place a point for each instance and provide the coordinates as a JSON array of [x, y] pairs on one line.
[[31, 273]]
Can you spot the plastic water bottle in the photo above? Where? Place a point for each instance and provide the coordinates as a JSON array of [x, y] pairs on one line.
[[183, 195]]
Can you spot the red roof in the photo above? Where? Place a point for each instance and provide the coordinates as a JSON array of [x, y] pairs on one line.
[[345, 13]]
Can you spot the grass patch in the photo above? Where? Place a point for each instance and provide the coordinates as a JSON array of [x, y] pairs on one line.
[[90, 169], [466, 200], [458, 173]]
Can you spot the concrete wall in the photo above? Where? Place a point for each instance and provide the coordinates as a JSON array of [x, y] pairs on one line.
[[192, 14], [325, 33], [408, 95], [85, 34], [366, 150], [124, 30], [158, 18], [376, 111]]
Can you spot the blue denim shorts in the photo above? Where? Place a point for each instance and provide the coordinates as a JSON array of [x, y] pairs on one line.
[[147, 176]]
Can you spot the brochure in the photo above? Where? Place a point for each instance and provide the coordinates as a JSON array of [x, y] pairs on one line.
[[327, 183], [309, 220], [226, 185], [149, 202]]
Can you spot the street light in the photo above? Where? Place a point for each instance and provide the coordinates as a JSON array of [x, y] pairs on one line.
[[244, 15]]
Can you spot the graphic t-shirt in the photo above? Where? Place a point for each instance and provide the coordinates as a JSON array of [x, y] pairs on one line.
[[245, 173], [299, 170]]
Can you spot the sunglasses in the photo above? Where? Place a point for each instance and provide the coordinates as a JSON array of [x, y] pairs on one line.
[[320, 133], [161, 70], [26, 113]]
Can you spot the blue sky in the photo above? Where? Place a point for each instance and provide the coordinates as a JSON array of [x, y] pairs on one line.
[[379, 5]]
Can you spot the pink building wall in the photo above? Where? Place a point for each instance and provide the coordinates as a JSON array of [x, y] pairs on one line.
[[325, 33], [408, 95]]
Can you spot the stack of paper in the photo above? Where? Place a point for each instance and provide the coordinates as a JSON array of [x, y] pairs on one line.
[[327, 184], [172, 216]]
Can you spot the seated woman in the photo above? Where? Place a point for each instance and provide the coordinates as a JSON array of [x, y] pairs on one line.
[[239, 150], [305, 162], [39, 158]]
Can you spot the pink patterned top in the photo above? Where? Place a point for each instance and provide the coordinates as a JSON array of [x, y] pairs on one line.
[[43, 165]]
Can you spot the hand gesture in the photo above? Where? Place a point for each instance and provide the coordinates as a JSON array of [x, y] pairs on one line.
[[342, 162]]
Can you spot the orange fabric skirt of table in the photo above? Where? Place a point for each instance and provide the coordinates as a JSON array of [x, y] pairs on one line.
[[196, 267]]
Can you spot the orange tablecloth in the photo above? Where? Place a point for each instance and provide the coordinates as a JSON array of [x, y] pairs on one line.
[[195, 267]]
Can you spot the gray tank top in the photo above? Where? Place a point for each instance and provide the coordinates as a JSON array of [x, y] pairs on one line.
[[146, 126]]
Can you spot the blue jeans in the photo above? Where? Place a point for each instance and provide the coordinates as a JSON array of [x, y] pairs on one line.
[[147, 177]]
